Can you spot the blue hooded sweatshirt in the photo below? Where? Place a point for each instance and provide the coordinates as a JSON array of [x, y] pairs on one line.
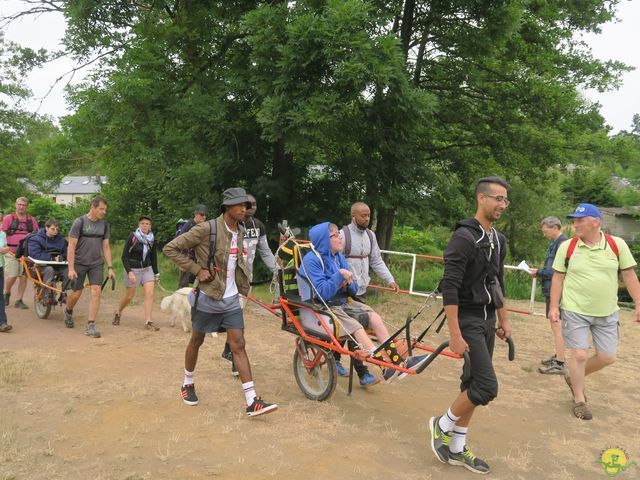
[[324, 271], [45, 248]]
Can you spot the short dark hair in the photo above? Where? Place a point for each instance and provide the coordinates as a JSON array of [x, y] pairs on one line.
[[52, 221], [144, 217], [96, 201], [483, 184]]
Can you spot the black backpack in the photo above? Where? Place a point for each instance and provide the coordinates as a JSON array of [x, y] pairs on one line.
[[15, 224]]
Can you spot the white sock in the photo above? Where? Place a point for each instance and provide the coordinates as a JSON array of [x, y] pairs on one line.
[[188, 378], [447, 421], [458, 439], [249, 392]]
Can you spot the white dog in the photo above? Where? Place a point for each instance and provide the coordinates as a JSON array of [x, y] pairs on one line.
[[178, 304]]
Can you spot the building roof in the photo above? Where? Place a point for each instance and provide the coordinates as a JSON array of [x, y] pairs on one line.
[[617, 211], [79, 184]]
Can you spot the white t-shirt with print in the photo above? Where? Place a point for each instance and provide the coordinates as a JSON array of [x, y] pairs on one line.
[[232, 288]]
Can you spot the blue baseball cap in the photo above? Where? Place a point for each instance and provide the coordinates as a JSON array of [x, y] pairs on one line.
[[585, 210]]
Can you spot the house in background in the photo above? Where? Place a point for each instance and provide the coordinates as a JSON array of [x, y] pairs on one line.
[[622, 222], [74, 188]]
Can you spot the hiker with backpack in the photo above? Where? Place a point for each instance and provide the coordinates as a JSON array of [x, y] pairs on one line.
[[199, 215], [473, 297], [4, 325], [16, 226], [49, 246], [140, 262], [87, 252], [222, 275], [584, 296], [552, 230]]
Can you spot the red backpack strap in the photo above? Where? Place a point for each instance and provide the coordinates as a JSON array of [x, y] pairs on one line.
[[612, 243], [572, 247], [347, 240]]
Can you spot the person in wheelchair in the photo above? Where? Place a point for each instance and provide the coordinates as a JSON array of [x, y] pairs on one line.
[[49, 246], [324, 275]]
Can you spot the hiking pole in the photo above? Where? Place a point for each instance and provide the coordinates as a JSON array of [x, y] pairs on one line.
[[113, 283]]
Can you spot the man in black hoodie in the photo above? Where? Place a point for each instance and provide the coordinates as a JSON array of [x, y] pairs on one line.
[[473, 296]]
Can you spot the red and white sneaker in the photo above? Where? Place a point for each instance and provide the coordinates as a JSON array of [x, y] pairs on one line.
[[189, 394], [258, 407]]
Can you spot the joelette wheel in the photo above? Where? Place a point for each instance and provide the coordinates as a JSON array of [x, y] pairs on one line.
[[41, 305], [315, 370]]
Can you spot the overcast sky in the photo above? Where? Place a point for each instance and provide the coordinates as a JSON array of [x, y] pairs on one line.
[[616, 42]]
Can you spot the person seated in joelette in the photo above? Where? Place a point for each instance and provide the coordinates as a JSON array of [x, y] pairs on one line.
[[48, 245], [327, 270]]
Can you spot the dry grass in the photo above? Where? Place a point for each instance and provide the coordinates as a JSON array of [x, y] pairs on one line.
[[75, 408]]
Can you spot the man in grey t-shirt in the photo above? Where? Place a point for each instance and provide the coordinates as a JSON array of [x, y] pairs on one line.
[[88, 249]]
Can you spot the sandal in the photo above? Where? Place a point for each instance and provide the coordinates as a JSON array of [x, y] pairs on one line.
[[581, 411], [116, 319], [151, 326], [567, 379]]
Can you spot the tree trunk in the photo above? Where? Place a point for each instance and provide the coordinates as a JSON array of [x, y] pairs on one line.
[[283, 177], [384, 227], [407, 25]]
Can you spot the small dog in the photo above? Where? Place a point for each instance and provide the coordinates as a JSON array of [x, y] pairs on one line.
[[178, 304]]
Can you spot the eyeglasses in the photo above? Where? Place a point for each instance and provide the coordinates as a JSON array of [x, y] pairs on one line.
[[334, 235], [500, 199]]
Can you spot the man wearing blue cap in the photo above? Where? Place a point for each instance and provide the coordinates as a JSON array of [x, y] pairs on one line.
[[584, 294]]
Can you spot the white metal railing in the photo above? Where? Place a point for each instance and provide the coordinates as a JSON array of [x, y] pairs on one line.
[[411, 291]]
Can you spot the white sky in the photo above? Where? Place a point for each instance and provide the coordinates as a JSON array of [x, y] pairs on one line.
[[616, 42]]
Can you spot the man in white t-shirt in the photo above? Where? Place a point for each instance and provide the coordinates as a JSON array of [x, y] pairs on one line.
[[221, 278]]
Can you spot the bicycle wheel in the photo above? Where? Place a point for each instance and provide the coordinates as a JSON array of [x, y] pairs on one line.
[[41, 305], [315, 370]]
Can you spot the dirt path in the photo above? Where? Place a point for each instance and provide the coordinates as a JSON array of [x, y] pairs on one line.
[[76, 408]]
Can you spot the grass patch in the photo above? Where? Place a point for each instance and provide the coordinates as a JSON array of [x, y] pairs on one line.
[[14, 369]]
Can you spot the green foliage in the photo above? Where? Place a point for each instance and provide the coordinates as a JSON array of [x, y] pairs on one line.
[[589, 185]]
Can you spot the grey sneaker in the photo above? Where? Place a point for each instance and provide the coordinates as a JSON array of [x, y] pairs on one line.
[[554, 368], [20, 304], [468, 460], [68, 318], [5, 327], [91, 330], [549, 361], [439, 440]]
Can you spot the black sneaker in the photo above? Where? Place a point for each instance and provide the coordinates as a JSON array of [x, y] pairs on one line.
[[91, 331], [549, 361], [389, 374], [5, 327], [258, 407], [20, 304], [226, 353], [468, 460], [189, 394], [439, 440], [413, 363], [68, 318]]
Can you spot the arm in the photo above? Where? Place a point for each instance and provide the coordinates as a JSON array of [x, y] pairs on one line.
[[37, 250], [265, 253], [379, 267], [456, 257], [71, 257], [633, 286], [557, 281], [175, 249], [3, 243], [106, 250], [154, 259], [456, 342], [125, 254], [326, 286]]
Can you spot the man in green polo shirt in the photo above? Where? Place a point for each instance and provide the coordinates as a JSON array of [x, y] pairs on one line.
[[584, 295]]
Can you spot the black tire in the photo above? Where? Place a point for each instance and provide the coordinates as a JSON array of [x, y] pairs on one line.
[[41, 306], [319, 383]]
